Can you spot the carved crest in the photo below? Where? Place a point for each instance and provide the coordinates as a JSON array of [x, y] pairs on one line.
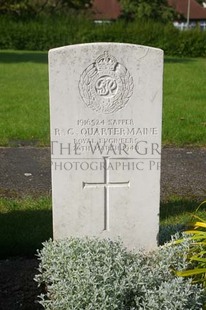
[[106, 85]]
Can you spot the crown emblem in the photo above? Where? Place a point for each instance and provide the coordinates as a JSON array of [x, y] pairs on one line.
[[106, 62], [106, 85]]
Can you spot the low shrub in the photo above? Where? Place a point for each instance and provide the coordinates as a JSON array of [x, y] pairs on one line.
[[101, 274], [166, 232], [47, 32], [42, 33], [196, 254]]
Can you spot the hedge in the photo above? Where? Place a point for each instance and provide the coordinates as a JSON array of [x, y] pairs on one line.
[[45, 33]]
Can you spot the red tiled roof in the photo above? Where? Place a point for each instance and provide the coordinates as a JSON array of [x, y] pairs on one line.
[[196, 10], [106, 9]]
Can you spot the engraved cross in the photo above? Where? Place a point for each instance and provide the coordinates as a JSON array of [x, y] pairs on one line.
[[106, 185]]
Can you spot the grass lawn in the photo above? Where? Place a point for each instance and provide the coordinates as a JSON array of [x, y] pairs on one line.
[[24, 225], [184, 110], [27, 222], [24, 119], [24, 107]]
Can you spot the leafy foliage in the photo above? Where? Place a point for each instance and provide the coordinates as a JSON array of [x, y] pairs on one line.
[[167, 231], [146, 9], [101, 274], [197, 252], [200, 1], [29, 8], [46, 32]]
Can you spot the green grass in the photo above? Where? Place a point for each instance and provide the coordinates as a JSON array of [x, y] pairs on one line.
[[24, 103], [24, 106], [24, 118], [180, 210], [184, 113], [24, 225], [27, 222]]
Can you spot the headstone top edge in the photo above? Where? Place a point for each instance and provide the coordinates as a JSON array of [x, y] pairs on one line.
[[77, 46]]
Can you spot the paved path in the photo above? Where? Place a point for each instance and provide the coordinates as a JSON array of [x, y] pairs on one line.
[[27, 171]]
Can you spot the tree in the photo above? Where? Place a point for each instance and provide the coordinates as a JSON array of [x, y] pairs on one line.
[[147, 9], [200, 1], [35, 7]]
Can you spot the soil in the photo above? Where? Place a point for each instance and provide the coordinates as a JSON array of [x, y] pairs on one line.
[[17, 287], [26, 171]]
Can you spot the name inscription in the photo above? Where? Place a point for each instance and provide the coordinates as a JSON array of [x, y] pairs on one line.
[[111, 137], [96, 127]]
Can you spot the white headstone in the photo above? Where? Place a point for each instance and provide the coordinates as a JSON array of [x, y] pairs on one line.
[[106, 102]]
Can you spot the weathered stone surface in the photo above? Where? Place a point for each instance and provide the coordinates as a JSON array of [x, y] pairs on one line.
[[106, 102]]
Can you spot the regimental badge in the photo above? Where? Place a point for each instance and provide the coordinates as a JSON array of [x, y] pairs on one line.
[[106, 85]]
